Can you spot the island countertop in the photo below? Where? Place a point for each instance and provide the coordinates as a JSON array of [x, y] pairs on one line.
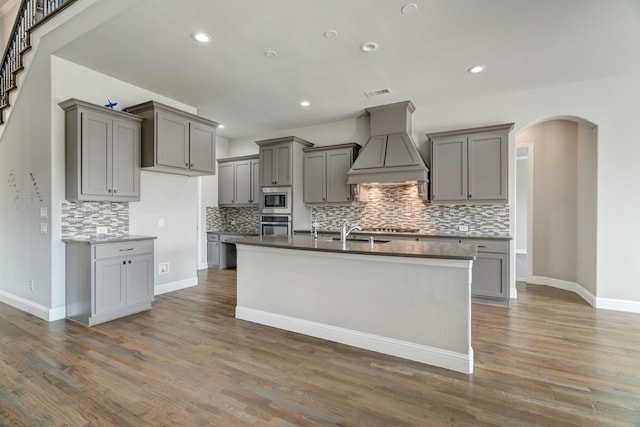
[[398, 248]]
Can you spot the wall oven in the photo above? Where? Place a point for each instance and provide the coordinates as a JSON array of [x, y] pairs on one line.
[[275, 225], [276, 200]]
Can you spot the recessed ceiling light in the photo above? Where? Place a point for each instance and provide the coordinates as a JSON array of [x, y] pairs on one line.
[[330, 34], [304, 103], [271, 54], [201, 37], [409, 8], [477, 69], [220, 126], [369, 46]]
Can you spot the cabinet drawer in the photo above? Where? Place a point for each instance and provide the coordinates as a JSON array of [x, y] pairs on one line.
[[108, 250], [495, 246], [213, 237]]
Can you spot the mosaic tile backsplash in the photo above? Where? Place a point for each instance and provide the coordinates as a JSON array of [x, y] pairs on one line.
[[401, 207], [80, 219], [241, 220]]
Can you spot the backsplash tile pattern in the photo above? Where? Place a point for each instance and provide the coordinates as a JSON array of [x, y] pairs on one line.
[[241, 220], [80, 219], [400, 207]]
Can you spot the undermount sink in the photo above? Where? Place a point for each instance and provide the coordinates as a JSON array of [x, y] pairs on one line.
[[360, 240]]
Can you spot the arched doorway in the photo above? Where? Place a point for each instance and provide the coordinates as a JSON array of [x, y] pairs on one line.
[[560, 155]]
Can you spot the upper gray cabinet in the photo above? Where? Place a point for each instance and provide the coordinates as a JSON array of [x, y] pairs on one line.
[[277, 160], [238, 181], [176, 142], [325, 173], [102, 153], [470, 165]]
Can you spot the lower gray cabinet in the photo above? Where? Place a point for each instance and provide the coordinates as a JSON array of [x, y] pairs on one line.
[[106, 280], [213, 250]]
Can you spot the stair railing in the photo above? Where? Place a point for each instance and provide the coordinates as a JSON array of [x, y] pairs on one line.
[[31, 13]]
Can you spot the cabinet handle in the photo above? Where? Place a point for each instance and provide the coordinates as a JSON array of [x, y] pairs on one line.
[[109, 191], [250, 201], [186, 164], [483, 246], [129, 261], [191, 165], [115, 190], [125, 250], [124, 262]]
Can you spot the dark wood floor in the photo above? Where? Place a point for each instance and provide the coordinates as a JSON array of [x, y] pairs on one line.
[[549, 360]]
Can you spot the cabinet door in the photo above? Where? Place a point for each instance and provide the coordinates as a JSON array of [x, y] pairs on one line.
[[126, 158], [338, 164], [213, 254], [283, 164], [172, 132], [202, 147], [255, 182], [97, 160], [449, 169], [489, 276], [139, 279], [488, 167], [267, 163], [226, 184], [243, 182], [110, 285], [314, 182]]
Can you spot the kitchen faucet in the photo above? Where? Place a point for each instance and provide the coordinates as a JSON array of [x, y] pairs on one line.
[[344, 233]]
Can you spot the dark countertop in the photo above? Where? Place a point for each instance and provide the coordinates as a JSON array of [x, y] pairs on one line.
[[418, 234], [399, 248], [96, 240], [249, 233]]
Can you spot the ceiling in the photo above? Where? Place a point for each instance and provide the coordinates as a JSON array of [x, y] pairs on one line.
[[422, 56]]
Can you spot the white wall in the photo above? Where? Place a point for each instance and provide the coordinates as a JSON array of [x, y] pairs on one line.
[[586, 225], [554, 199], [522, 194], [8, 13]]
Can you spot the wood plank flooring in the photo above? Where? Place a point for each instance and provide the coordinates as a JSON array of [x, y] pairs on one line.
[[549, 360]]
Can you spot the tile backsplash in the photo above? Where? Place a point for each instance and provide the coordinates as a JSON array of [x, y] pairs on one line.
[[400, 207], [80, 219], [241, 220]]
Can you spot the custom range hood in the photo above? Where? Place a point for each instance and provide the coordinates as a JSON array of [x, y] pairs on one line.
[[390, 155]]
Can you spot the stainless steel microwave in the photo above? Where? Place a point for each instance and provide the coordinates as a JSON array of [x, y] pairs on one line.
[[275, 200]]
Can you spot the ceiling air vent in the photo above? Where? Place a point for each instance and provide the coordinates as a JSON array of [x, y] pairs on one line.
[[377, 93]]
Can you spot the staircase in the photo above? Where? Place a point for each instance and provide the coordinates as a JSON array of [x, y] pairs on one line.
[[31, 14]]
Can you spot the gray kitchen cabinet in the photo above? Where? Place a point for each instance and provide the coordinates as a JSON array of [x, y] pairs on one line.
[[470, 165], [490, 274], [325, 173], [277, 160], [238, 181], [102, 153], [213, 250], [175, 141], [106, 281]]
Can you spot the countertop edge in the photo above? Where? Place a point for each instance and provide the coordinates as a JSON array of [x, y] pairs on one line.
[[109, 239], [391, 235]]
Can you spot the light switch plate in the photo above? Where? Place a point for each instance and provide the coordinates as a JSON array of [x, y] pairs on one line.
[[102, 230], [161, 222], [463, 228], [43, 213]]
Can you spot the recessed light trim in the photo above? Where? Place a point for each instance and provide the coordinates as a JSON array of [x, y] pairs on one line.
[[271, 54], [330, 34], [304, 103], [220, 126], [201, 37], [477, 69], [369, 46], [409, 8]]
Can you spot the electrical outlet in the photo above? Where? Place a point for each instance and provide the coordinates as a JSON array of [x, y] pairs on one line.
[[463, 228], [102, 230], [43, 213], [163, 268], [161, 222], [43, 228], [31, 284]]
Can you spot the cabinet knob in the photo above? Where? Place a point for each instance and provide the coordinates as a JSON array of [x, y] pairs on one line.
[[109, 191], [186, 164], [129, 261], [191, 165], [115, 190], [124, 262]]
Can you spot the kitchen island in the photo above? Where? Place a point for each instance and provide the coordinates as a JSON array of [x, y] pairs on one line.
[[404, 298]]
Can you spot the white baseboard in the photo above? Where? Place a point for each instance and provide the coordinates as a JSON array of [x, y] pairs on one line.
[[175, 286], [597, 302], [203, 266], [38, 310], [420, 353]]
